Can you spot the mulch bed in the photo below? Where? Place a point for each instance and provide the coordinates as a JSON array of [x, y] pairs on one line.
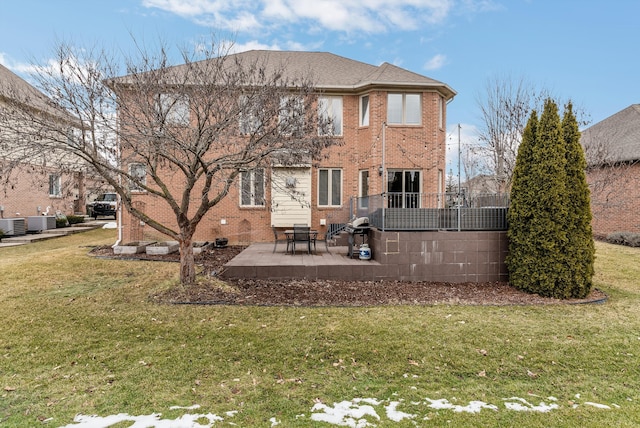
[[300, 292]]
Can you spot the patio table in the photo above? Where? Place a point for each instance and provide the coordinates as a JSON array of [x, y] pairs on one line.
[[313, 235]]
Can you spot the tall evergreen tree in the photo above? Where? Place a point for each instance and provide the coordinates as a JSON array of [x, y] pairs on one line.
[[580, 249], [521, 259], [538, 262]]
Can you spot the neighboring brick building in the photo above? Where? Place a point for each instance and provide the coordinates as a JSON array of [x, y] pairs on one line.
[[612, 147], [374, 107], [32, 182]]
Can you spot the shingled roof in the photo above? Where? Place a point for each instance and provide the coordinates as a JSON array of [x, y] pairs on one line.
[[331, 72], [16, 90], [618, 135]]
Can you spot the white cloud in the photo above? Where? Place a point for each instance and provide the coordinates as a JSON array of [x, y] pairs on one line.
[[367, 16], [436, 62], [21, 68]]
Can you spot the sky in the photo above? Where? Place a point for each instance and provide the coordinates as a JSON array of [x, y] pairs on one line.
[[584, 50]]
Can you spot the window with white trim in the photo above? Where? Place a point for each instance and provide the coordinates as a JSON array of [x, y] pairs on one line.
[[329, 187], [403, 187], [364, 189], [173, 109], [441, 112], [248, 121], [291, 115], [330, 112], [364, 110], [138, 177], [55, 185], [404, 109], [252, 188]]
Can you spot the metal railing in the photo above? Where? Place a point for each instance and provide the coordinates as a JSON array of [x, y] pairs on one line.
[[443, 211]]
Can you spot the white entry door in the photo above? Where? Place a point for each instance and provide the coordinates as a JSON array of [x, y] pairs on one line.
[[290, 196]]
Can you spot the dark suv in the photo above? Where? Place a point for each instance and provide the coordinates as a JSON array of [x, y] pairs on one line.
[[105, 204]]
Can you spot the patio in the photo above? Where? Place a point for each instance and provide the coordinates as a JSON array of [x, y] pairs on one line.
[[260, 262]]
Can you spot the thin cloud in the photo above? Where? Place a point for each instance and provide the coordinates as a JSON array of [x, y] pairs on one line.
[[367, 16], [436, 62]]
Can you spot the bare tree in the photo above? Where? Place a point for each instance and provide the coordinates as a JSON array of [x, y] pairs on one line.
[[182, 134], [505, 107]]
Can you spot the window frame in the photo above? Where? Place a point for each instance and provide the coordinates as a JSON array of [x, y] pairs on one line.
[[249, 121], [329, 112], [291, 113], [330, 190], [364, 112], [141, 174], [364, 177], [174, 109], [404, 109], [405, 198], [254, 196], [55, 185]]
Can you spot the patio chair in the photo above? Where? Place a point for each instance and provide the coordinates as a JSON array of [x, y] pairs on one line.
[[301, 234], [276, 239]]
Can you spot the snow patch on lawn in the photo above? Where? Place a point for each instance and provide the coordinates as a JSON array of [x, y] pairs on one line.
[[153, 420], [356, 413]]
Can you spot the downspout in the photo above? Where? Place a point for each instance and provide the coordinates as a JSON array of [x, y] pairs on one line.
[[118, 198], [384, 173]]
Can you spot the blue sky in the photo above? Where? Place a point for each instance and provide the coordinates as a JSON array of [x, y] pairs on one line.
[[585, 50]]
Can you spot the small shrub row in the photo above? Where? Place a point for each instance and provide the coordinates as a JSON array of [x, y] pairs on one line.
[[75, 219], [629, 239]]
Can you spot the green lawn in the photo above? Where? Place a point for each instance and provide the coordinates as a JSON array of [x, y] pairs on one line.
[[80, 336]]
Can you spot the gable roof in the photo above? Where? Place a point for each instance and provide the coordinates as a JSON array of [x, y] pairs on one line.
[[618, 136], [14, 89], [331, 72]]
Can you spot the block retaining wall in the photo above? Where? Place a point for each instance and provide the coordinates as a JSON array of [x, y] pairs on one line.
[[440, 256]]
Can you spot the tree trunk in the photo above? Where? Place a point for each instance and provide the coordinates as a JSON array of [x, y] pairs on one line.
[[187, 261]]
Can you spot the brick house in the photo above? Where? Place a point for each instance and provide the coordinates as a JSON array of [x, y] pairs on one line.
[[612, 148], [33, 182], [392, 125]]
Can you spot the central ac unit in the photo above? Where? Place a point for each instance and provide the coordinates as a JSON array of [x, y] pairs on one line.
[[12, 226]]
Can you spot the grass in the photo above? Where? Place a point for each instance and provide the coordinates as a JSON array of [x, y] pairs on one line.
[[80, 336]]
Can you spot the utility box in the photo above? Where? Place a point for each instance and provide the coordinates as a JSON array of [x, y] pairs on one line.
[[40, 223], [13, 226]]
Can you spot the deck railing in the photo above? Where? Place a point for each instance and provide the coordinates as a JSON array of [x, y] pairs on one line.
[[443, 211]]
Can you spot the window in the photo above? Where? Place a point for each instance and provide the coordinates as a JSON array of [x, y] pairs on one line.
[[55, 185], [404, 188], [249, 121], [252, 188], [330, 112], [364, 110], [173, 109], [364, 189], [138, 179], [329, 187], [404, 109], [440, 112], [291, 116]]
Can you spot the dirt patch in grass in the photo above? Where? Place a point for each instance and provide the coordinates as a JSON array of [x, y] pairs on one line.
[[301, 292]]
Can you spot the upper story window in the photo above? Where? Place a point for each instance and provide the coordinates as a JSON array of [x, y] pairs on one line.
[[249, 121], [55, 185], [329, 187], [138, 173], [404, 109], [330, 112], [441, 112], [291, 115], [252, 188], [173, 109], [364, 110]]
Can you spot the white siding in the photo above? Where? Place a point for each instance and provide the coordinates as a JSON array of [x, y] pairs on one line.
[[291, 196]]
